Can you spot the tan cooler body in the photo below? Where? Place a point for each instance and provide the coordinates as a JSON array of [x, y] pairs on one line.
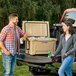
[[39, 41]]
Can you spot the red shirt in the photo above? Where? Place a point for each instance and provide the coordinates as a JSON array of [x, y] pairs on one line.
[[7, 36]]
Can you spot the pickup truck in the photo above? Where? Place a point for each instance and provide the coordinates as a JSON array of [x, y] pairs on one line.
[[40, 63]]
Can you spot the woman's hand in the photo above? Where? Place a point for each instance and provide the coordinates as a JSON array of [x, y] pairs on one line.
[[65, 55], [52, 55]]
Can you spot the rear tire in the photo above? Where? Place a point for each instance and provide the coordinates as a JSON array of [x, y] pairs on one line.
[[18, 63], [37, 71]]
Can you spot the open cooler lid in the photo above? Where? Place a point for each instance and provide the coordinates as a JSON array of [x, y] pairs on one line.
[[36, 28]]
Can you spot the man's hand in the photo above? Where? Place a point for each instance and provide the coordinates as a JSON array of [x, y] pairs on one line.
[[3, 48], [25, 36], [7, 52]]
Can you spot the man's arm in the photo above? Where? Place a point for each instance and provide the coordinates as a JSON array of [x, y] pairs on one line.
[[3, 48], [23, 35], [2, 38]]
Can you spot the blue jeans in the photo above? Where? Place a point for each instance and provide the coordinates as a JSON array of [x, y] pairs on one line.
[[66, 66], [9, 62]]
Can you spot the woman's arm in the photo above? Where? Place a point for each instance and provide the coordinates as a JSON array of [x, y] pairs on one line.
[[59, 46], [74, 46]]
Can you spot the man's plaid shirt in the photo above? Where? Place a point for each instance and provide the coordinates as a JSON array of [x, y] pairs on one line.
[[7, 36]]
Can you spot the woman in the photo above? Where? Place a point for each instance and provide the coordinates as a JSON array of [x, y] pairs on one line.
[[67, 47]]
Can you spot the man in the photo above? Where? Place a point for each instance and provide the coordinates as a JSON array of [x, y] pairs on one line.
[[10, 44]]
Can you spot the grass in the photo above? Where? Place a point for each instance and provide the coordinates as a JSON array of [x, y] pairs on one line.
[[19, 70], [24, 70]]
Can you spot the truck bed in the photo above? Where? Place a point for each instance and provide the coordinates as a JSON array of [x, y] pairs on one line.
[[34, 59]]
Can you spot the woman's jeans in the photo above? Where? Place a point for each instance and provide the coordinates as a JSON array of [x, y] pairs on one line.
[[9, 62], [66, 66]]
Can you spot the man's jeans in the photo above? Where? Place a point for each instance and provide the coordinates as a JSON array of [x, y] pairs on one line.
[[66, 66], [9, 62]]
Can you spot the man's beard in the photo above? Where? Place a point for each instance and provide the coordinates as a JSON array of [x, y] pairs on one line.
[[15, 23]]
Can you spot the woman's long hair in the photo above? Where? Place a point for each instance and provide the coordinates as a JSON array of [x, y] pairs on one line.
[[71, 29]]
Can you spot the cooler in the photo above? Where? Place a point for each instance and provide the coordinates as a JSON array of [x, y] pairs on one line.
[[39, 41]]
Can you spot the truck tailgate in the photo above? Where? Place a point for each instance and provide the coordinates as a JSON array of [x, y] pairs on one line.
[[34, 59]]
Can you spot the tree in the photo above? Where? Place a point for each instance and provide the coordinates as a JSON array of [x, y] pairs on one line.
[[47, 10]]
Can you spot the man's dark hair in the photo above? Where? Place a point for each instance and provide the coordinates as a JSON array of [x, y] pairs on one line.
[[13, 15]]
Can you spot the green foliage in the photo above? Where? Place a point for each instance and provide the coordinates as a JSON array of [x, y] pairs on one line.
[[47, 10]]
